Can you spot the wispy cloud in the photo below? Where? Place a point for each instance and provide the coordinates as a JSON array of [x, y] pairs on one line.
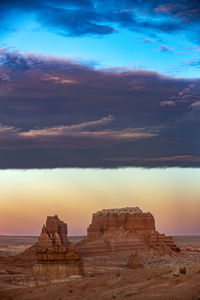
[[168, 103], [164, 48], [148, 41], [73, 136]]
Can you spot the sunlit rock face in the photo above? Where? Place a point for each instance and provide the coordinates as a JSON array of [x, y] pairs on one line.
[[124, 229], [56, 256]]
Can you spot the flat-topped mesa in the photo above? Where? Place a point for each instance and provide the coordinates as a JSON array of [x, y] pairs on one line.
[[129, 210], [56, 256], [120, 219], [123, 229]]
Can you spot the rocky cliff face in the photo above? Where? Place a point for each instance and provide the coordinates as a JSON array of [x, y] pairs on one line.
[[125, 229], [56, 256], [54, 233], [125, 219], [133, 261]]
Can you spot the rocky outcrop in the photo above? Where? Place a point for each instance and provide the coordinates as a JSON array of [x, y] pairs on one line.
[[133, 261], [56, 256], [125, 229], [20, 263], [124, 219]]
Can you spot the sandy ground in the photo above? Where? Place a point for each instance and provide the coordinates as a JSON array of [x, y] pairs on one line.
[[17, 244], [109, 278], [138, 284], [187, 241]]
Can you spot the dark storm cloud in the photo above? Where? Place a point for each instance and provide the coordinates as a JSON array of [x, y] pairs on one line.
[[100, 17], [57, 113]]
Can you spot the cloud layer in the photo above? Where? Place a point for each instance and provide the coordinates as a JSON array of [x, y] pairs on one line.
[[56, 113], [100, 17]]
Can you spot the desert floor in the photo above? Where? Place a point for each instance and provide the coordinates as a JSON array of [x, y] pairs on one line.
[[109, 278]]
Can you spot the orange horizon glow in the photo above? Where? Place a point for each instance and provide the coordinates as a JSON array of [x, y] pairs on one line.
[[28, 196]]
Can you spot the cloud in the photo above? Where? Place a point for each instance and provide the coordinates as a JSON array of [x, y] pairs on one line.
[[192, 63], [148, 41], [196, 105], [59, 80], [63, 137], [168, 161], [72, 136], [164, 48], [168, 103], [95, 17], [55, 112], [180, 158], [188, 96]]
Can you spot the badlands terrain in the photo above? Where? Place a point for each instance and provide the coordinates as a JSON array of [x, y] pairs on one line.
[[156, 268]]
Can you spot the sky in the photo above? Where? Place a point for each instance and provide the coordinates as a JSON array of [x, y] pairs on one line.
[[105, 86], [75, 194]]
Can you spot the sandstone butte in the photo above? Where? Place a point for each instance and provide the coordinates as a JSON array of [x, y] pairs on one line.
[[125, 229], [56, 256]]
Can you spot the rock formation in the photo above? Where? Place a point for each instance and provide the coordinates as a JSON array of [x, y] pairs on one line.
[[133, 261], [56, 256], [125, 229]]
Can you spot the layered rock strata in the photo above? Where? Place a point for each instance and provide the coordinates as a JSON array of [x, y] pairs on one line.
[[56, 256], [125, 229], [133, 261]]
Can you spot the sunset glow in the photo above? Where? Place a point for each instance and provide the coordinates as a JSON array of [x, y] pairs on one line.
[[172, 195]]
